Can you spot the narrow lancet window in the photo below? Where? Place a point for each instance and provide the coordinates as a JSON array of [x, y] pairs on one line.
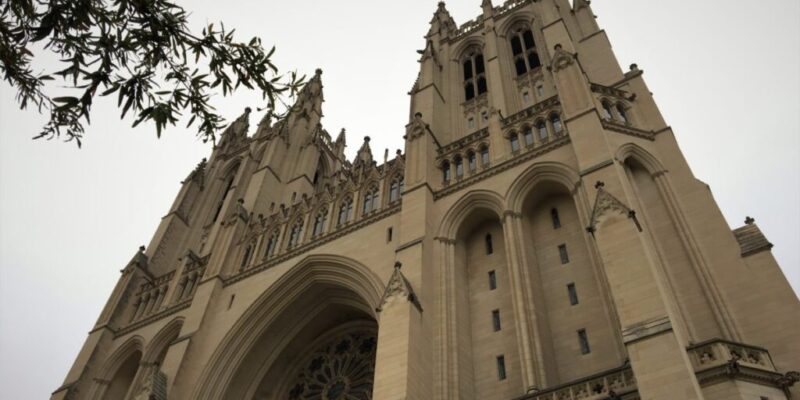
[[474, 75], [523, 49], [555, 218]]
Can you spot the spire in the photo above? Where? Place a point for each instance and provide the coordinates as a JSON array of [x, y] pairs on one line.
[[442, 23], [341, 138], [265, 125], [310, 98], [364, 156], [488, 8], [236, 131], [340, 144]]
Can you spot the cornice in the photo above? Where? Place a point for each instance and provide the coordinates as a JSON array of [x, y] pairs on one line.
[[628, 130]]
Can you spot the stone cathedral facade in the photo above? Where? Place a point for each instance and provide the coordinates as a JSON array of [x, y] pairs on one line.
[[541, 236]]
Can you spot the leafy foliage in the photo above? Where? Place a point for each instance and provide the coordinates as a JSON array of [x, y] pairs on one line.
[[141, 51]]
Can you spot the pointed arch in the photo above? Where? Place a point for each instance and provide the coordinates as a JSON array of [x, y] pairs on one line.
[[133, 344], [536, 173], [473, 200], [162, 340], [325, 269], [465, 46], [647, 159], [113, 365]]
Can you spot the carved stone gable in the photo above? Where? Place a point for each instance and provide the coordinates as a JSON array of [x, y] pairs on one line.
[[399, 287], [604, 203]]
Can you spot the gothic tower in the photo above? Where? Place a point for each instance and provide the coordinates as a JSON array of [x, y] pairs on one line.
[[541, 237]]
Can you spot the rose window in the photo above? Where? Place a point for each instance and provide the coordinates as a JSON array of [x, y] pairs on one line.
[[342, 369]]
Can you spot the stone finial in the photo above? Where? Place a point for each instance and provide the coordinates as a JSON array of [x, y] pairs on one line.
[[318, 72], [599, 184], [634, 67], [418, 115], [141, 249], [749, 220], [557, 47]]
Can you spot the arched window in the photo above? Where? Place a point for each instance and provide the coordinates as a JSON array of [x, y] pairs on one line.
[[272, 242], [541, 127], [396, 189], [459, 167], [319, 222], [523, 49], [346, 210], [248, 251], [514, 140], [370, 200], [474, 75], [472, 162], [446, 171], [606, 110], [527, 133], [556, 121], [223, 196], [484, 156], [294, 235], [623, 115], [489, 244]]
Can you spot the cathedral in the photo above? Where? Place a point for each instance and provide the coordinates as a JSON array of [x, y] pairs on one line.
[[540, 237]]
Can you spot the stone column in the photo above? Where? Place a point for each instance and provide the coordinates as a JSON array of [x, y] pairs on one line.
[[519, 299], [448, 367]]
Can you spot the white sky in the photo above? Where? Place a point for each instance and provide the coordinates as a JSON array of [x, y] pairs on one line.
[[725, 74]]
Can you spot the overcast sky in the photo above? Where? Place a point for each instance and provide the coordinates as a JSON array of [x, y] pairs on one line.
[[725, 74]]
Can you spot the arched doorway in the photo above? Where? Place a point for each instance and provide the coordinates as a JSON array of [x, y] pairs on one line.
[[311, 335]]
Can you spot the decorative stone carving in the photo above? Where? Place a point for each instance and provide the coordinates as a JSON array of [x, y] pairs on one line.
[[154, 386], [561, 59], [416, 128], [604, 203], [399, 286]]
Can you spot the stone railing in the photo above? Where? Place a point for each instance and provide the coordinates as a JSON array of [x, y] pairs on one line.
[[461, 145], [468, 27], [716, 352], [508, 6], [151, 296], [616, 384], [543, 107], [718, 360]]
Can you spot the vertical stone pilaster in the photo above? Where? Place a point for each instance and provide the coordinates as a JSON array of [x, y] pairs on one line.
[[656, 348], [520, 301], [398, 364]]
